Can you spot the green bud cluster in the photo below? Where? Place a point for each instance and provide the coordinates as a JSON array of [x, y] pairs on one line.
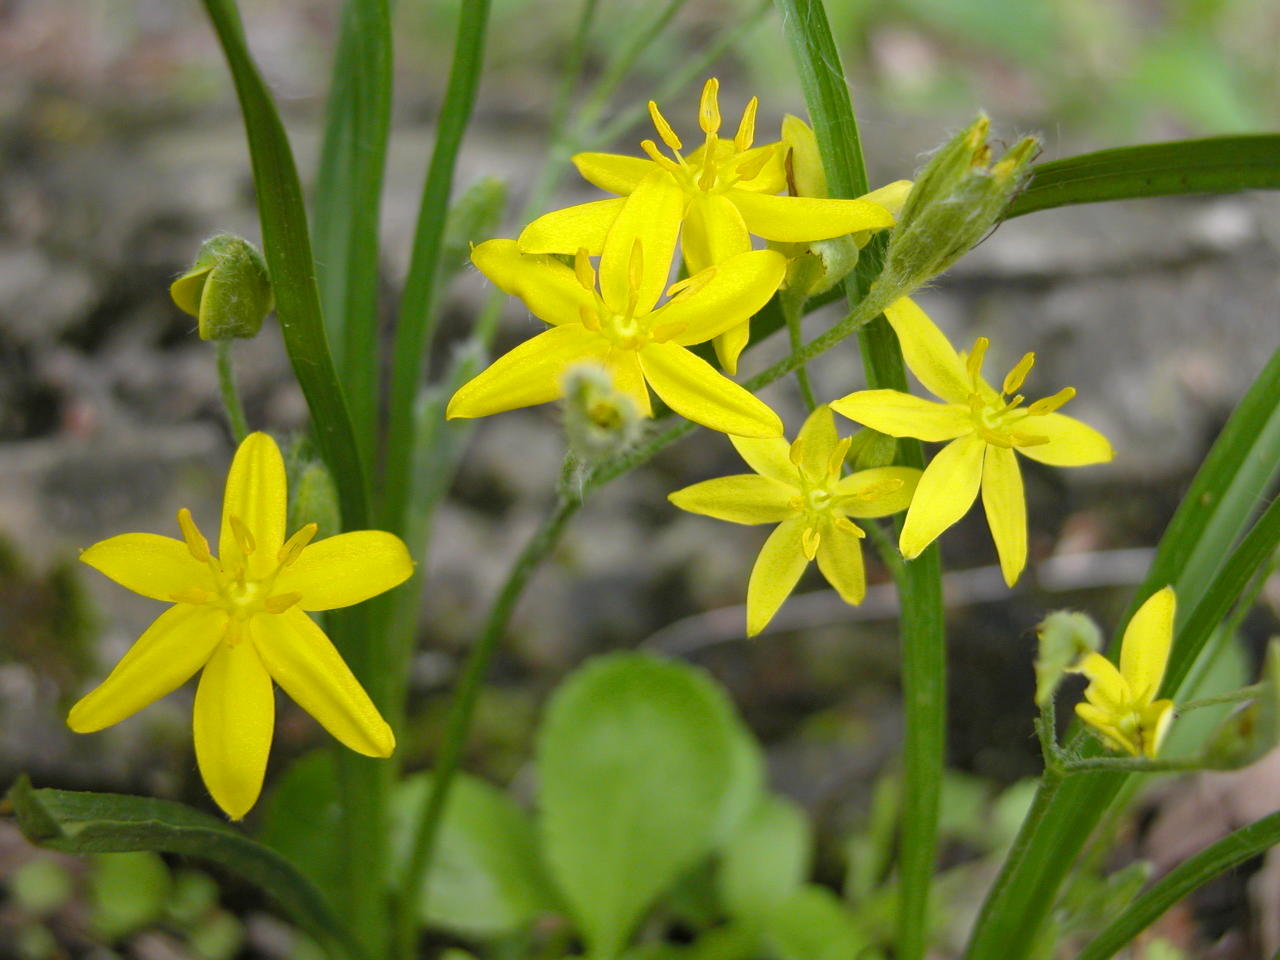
[[956, 199], [227, 289], [1066, 637], [599, 420]]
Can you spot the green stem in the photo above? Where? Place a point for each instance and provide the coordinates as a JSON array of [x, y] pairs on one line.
[[1129, 765], [1251, 692], [887, 547], [230, 394], [412, 885], [793, 311]]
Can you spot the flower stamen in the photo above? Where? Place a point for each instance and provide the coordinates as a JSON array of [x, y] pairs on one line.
[[196, 542], [296, 544], [244, 537], [1013, 380], [664, 129]]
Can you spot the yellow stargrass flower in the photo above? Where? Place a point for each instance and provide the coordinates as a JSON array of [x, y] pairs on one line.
[[240, 617], [1120, 704], [727, 189], [800, 488], [984, 427], [615, 321]]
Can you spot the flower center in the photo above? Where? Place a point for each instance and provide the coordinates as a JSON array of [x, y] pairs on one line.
[[232, 587], [997, 418]]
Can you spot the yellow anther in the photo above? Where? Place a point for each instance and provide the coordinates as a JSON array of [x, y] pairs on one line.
[[750, 169], [196, 543], [881, 488], [635, 271], [845, 525], [797, 451], [836, 461], [997, 439], [709, 108], [1050, 404], [296, 544], [1013, 380], [746, 134], [280, 602], [1014, 401], [976, 356], [244, 539], [796, 502], [1027, 439], [664, 129], [668, 331], [666, 163], [590, 318], [809, 542], [193, 595], [583, 270], [691, 285]]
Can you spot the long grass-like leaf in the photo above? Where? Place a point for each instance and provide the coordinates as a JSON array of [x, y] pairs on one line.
[[287, 248]]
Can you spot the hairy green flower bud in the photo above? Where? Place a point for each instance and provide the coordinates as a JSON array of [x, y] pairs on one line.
[[313, 498], [599, 419], [227, 289], [957, 198], [1065, 638]]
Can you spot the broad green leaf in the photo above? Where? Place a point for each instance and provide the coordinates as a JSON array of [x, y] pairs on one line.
[[813, 924], [1211, 165], [127, 892], [301, 818], [486, 876], [1190, 875], [74, 822], [766, 860], [637, 759]]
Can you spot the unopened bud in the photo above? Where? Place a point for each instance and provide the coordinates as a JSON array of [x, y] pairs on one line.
[[227, 289], [599, 419], [1065, 638], [957, 198], [870, 449], [313, 498]]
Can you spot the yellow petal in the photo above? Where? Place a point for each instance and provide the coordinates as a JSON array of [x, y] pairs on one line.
[[814, 444], [651, 216], [548, 288], [1156, 720], [744, 498], [165, 657], [346, 569], [1006, 507], [296, 652], [928, 352], [1100, 721], [233, 722], [802, 219], [730, 344], [775, 574], [809, 176], [902, 415], [840, 560], [1144, 653], [892, 196], [771, 176], [613, 172], [870, 493], [624, 368], [945, 493], [692, 388], [1107, 689], [769, 458], [530, 374], [738, 288], [1071, 443], [714, 231], [256, 496], [570, 229], [146, 563]]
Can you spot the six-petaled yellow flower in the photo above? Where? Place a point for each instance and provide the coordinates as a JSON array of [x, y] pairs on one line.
[[1121, 705], [722, 193], [621, 326], [241, 616], [983, 426], [800, 488]]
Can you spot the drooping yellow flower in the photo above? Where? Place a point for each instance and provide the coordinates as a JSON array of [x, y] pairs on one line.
[[1121, 705], [800, 488], [240, 616], [620, 325], [984, 427], [727, 191]]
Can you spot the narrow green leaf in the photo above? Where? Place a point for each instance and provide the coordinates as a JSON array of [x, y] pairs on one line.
[[1230, 484], [287, 247], [73, 822], [1216, 859], [637, 760], [1212, 165], [923, 632]]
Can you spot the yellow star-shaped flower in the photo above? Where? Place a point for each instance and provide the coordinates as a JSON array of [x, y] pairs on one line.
[[620, 325], [727, 192], [984, 427], [1121, 705], [240, 617], [800, 488]]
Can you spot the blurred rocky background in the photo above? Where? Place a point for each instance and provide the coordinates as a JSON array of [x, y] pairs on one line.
[[121, 149]]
